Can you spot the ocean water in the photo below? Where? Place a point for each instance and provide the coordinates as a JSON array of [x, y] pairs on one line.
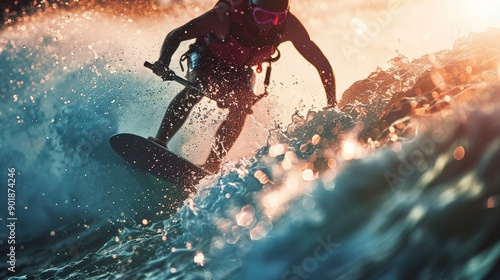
[[400, 183]]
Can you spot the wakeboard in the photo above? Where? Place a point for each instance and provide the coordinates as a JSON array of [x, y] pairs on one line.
[[156, 159]]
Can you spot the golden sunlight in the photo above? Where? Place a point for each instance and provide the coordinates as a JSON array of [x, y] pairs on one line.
[[348, 150], [199, 258], [498, 70], [483, 9]]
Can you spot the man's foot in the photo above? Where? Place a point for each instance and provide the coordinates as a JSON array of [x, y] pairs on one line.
[[157, 141]]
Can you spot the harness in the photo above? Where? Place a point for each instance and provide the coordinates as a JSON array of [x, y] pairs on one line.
[[243, 46]]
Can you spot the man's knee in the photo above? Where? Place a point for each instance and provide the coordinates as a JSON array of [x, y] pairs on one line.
[[241, 105], [186, 97]]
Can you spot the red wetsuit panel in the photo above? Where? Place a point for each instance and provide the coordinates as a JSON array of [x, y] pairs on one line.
[[234, 53]]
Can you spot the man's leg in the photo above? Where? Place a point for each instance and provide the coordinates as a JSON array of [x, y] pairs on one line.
[[226, 136], [177, 112]]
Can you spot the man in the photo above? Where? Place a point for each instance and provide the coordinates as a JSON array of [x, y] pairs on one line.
[[230, 39]]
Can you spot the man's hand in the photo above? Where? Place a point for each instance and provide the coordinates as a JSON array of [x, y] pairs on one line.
[[159, 66], [161, 69]]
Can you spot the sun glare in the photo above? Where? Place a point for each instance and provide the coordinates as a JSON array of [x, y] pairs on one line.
[[486, 10]]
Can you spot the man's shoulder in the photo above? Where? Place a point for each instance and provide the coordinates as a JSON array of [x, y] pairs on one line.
[[292, 26], [231, 9], [223, 8], [224, 3]]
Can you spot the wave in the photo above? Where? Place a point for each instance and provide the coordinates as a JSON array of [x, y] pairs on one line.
[[398, 183]]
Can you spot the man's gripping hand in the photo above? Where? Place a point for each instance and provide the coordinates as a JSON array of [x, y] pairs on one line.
[[161, 69]]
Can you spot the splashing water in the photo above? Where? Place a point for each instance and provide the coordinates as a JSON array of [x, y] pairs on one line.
[[400, 183]]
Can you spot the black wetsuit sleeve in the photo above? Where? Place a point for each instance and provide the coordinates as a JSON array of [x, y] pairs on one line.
[[215, 21], [298, 35]]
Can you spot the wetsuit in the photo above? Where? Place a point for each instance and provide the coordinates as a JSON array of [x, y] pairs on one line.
[[228, 44]]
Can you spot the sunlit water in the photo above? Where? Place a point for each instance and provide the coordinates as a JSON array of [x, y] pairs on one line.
[[400, 183]]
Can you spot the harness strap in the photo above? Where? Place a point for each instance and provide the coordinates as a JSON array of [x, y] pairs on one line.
[[192, 48], [267, 80]]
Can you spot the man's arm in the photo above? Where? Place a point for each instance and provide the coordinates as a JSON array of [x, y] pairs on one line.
[[214, 21], [297, 34]]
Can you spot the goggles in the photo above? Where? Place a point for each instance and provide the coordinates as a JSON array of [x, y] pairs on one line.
[[262, 16]]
